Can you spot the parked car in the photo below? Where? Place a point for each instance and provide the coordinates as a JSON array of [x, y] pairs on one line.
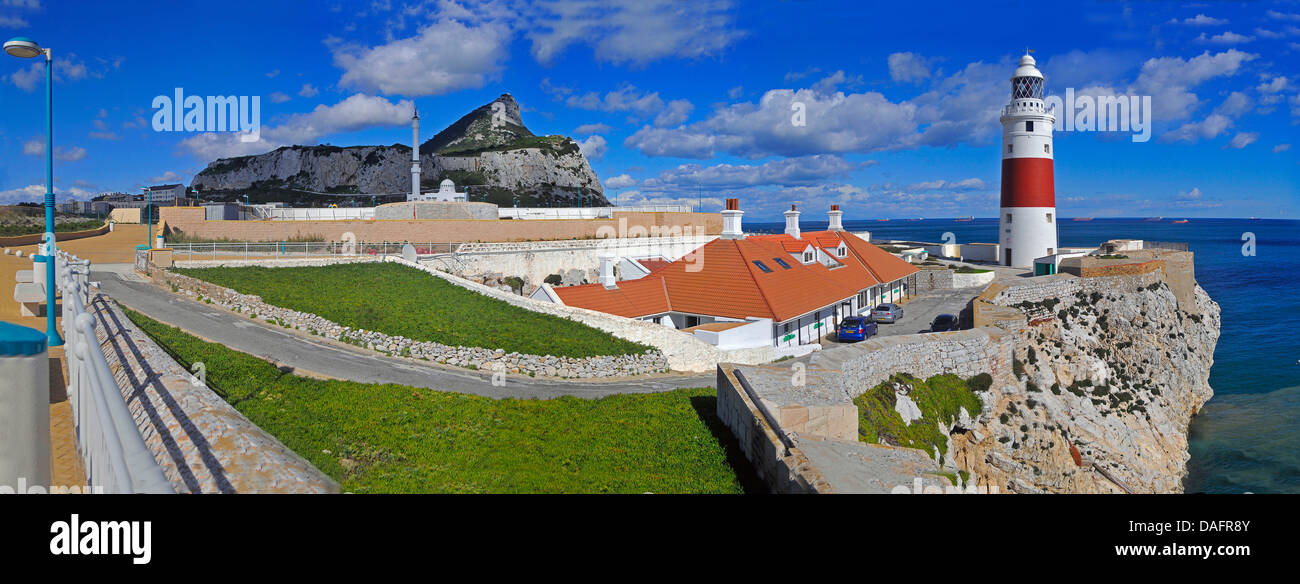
[[943, 323], [888, 312], [856, 328]]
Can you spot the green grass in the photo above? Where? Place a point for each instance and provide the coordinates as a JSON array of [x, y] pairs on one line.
[[400, 300], [970, 270], [391, 438], [939, 399]]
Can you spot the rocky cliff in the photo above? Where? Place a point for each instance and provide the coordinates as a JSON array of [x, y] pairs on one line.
[[1107, 375], [488, 152]]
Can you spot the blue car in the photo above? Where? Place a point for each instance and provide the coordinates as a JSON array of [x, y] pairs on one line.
[[856, 328]]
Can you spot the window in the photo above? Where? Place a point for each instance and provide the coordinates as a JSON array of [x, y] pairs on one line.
[[781, 262], [1008, 217], [807, 257], [1008, 149], [840, 251], [1029, 126], [1049, 251], [762, 266], [1047, 148], [785, 328], [1049, 217]]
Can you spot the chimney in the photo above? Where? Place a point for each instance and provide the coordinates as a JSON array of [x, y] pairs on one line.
[[792, 222], [731, 220], [606, 278], [836, 215]]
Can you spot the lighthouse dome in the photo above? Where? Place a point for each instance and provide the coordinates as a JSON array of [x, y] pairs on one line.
[[1027, 68]]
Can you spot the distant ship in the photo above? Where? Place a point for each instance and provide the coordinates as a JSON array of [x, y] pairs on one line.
[[882, 220], [964, 219], [1181, 221], [1153, 219], [923, 218], [1082, 219]]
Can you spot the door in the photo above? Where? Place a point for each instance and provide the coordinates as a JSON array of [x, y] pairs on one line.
[[1008, 256]]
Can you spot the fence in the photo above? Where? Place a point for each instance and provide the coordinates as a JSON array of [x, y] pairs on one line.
[[115, 455], [299, 249], [1165, 245]]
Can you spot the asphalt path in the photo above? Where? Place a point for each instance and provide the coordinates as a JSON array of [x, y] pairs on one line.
[[325, 358]]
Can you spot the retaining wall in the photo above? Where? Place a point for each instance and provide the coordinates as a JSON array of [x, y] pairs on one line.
[[35, 238], [962, 353], [203, 444], [193, 222], [784, 469]]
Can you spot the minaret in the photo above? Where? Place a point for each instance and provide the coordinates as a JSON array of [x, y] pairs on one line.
[[415, 155], [1027, 224]]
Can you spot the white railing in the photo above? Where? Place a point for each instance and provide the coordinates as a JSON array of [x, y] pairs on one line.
[[300, 249], [115, 455]]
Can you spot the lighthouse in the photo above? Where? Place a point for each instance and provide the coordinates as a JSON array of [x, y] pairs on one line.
[[1027, 222], [415, 155]]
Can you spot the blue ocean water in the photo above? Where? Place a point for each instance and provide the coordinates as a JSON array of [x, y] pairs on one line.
[[1245, 438]]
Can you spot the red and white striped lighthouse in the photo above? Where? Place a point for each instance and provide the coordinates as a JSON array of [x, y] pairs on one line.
[[1027, 225]]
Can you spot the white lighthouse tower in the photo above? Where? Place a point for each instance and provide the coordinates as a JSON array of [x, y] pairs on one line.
[[415, 155], [1027, 223]]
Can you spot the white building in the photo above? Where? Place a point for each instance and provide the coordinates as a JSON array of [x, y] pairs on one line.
[[742, 291]]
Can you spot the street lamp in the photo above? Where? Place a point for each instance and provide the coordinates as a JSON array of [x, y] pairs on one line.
[[26, 48]]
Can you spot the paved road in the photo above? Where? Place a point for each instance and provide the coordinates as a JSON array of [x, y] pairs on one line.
[[323, 358], [920, 312]]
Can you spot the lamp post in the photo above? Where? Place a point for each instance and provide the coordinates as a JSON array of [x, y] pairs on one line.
[[148, 206], [26, 48]]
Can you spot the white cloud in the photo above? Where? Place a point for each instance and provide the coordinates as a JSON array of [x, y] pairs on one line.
[[805, 170], [630, 31], [280, 97], [908, 68], [969, 184], [1278, 83], [1200, 20], [12, 22], [1225, 38], [675, 113], [1236, 104], [445, 56], [736, 92], [624, 99], [592, 129], [308, 90], [1206, 129], [166, 177], [593, 147], [1281, 148], [1242, 140], [1168, 80], [36, 147], [1275, 15], [357, 112], [621, 181], [36, 193]]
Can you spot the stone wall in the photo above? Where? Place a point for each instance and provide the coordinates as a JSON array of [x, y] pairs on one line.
[[34, 238], [203, 444], [192, 222], [435, 210], [784, 469], [962, 353]]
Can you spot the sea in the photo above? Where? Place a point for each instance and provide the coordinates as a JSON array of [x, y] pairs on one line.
[[1247, 437]]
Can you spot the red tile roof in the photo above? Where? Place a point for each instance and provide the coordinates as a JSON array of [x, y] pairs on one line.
[[721, 279]]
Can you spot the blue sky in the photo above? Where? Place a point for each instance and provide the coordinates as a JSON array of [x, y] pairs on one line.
[[689, 101]]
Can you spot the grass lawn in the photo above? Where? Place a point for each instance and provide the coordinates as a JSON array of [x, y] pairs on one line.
[[397, 439], [400, 300], [939, 398]]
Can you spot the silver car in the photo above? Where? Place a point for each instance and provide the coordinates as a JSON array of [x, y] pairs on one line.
[[888, 312]]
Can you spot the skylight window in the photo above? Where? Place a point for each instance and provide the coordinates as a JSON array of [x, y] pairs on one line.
[[762, 266], [781, 262]]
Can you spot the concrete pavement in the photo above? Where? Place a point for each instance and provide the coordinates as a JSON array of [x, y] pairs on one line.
[[324, 358]]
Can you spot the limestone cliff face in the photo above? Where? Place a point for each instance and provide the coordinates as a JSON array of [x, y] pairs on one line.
[[1109, 373], [488, 152]]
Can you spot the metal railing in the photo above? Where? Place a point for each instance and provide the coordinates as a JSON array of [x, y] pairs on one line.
[[300, 249], [115, 455]]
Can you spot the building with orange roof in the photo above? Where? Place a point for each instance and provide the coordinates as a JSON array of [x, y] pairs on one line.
[[781, 290]]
